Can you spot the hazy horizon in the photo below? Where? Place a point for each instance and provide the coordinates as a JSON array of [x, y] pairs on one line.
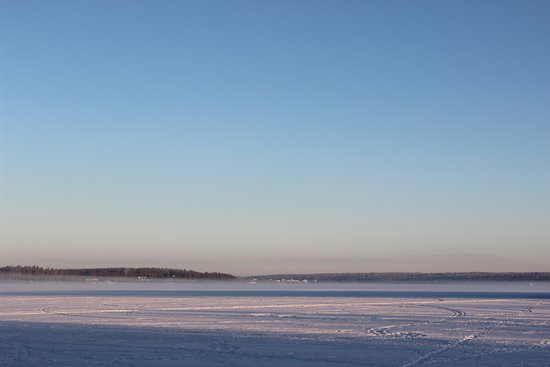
[[276, 136]]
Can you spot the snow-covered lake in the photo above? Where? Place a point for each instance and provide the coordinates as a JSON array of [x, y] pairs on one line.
[[198, 324]]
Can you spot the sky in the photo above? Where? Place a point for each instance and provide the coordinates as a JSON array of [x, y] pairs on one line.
[[257, 137]]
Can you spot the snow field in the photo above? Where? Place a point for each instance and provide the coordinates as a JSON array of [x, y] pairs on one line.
[[272, 331]]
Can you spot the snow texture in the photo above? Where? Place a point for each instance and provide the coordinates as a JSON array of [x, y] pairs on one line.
[[98, 330]]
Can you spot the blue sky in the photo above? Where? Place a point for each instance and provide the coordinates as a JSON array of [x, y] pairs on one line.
[[267, 136]]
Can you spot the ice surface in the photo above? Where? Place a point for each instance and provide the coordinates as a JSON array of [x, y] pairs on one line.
[[149, 330]]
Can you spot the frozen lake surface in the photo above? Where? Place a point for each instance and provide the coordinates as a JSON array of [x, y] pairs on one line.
[[106, 324]]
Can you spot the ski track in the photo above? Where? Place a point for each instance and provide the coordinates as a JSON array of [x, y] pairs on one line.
[[479, 334], [386, 331]]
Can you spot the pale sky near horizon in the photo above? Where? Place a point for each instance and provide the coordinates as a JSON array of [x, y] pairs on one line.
[[258, 137]]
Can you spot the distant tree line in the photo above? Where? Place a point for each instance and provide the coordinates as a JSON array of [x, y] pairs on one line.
[[33, 272], [382, 277]]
